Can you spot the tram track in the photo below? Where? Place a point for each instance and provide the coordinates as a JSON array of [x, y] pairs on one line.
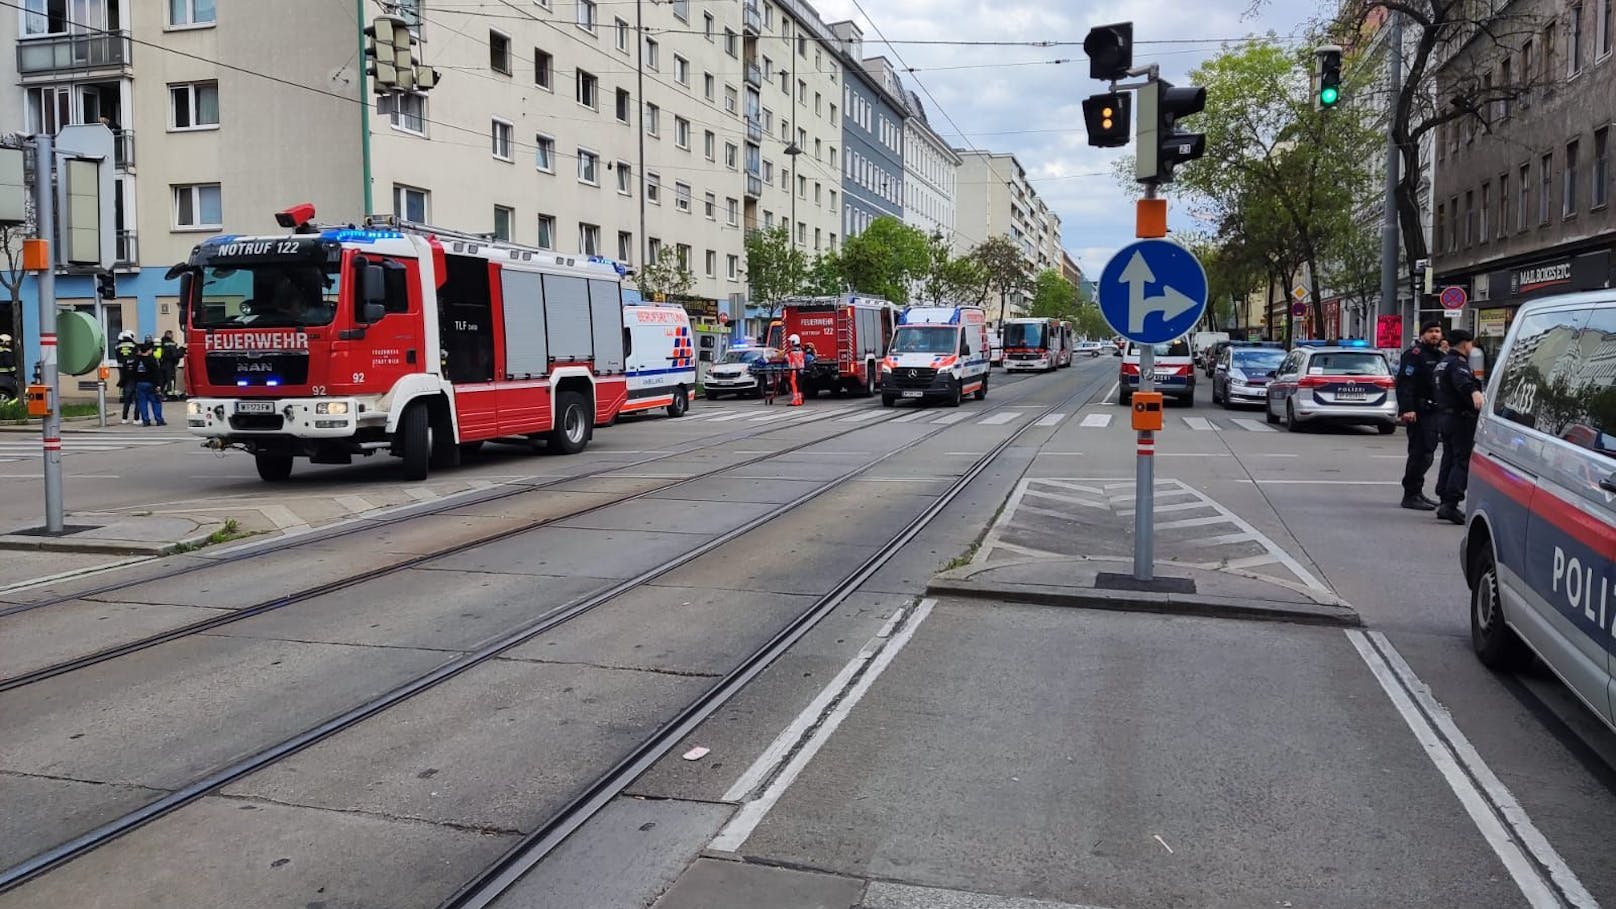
[[264, 757]]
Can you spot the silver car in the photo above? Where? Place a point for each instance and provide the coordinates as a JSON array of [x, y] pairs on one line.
[[1333, 385], [733, 374]]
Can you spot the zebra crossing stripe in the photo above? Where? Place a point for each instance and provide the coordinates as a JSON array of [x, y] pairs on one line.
[[1097, 421], [1201, 424], [1253, 426], [1050, 419], [909, 417], [860, 417], [1000, 418], [949, 419]]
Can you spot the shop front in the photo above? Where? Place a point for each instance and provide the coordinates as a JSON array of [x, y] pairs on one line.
[[1497, 294]]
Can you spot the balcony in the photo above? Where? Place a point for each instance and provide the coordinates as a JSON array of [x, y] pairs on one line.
[[76, 53], [754, 186], [123, 149], [754, 75], [127, 253], [751, 19], [754, 129]]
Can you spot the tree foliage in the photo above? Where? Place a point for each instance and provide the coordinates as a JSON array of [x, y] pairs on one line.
[[1053, 297], [669, 276], [775, 267], [958, 280], [1002, 266], [886, 259]]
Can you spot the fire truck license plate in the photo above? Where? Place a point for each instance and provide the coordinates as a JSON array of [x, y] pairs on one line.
[[255, 407]]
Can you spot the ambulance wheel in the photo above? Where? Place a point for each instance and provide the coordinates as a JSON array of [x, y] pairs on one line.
[[982, 393], [954, 395], [888, 400], [273, 468], [413, 442], [681, 402], [571, 432], [1495, 644]]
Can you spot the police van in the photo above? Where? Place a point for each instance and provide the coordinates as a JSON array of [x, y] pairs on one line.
[[937, 353], [661, 358], [1540, 535]]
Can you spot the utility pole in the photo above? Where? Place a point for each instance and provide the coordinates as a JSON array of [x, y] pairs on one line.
[[1388, 237], [639, 71], [45, 284]]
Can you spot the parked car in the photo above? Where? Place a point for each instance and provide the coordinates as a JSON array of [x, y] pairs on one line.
[[1174, 369], [733, 374], [1332, 385], [1089, 348], [1240, 375], [1540, 520]]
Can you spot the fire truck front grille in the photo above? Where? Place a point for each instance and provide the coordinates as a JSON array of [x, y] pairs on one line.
[[254, 368], [261, 422], [914, 376]]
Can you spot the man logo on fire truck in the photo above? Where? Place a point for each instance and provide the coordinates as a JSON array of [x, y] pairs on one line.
[[417, 341]]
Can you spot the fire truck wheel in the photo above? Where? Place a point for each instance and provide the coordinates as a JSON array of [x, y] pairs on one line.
[[681, 402], [571, 432], [413, 442], [273, 468], [869, 379]]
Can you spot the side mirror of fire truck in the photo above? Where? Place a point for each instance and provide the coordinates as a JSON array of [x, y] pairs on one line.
[[373, 282]]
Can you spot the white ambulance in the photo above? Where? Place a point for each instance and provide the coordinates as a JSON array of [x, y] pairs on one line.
[[937, 353], [661, 358]]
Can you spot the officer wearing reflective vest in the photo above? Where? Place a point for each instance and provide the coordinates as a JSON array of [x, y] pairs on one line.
[[1458, 402], [796, 361], [1417, 411]]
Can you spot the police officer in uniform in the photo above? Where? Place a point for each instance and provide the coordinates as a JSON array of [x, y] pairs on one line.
[[8, 366], [1458, 401], [1417, 411], [125, 352]]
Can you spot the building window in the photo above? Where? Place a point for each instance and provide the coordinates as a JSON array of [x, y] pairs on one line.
[[681, 70], [1570, 179], [194, 105], [732, 101], [586, 14], [709, 206], [587, 90], [589, 239], [588, 167], [410, 204], [499, 52], [1438, 226], [730, 153], [1453, 223], [543, 70], [732, 211], [197, 207], [406, 110], [625, 247], [681, 133], [1574, 38], [653, 119], [183, 13], [503, 218], [623, 105], [1486, 206], [732, 267], [681, 197], [500, 133], [709, 86], [682, 253], [1525, 196], [625, 178], [709, 145], [547, 231], [681, 8], [544, 153], [653, 250], [1503, 205], [1547, 165], [653, 54], [620, 32], [731, 42], [1607, 27], [711, 263], [707, 26], [653, 189], [1601, 166]]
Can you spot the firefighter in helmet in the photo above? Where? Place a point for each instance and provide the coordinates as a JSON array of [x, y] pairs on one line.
[[796, 361]]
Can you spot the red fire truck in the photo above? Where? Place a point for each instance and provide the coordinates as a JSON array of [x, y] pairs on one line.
[[849, 336], [327, 343]]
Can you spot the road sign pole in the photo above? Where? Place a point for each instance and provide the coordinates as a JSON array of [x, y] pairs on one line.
[[45, 285], [1144, 474]]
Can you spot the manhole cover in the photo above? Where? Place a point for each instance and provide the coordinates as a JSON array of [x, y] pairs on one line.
[[65, 531], [1110, 580]]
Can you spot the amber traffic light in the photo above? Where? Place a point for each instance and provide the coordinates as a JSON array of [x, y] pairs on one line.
[[1107, 119]]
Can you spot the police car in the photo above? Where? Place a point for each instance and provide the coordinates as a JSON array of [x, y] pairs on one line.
[[1540, 534], [1335, 384], [1174, 370]]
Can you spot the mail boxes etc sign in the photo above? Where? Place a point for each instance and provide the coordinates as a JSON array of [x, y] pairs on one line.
[[1589, 271]]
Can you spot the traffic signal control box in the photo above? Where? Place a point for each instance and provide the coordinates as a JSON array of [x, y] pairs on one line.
[[1147, 411], [39, 403]]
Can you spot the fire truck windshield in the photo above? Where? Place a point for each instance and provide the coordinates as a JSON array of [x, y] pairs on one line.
[[278, 295], [937, 339], [1024, 334]]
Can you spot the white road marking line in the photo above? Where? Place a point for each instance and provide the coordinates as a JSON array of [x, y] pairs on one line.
[[908, 417], [1166, 509], [859, 417], [71, 476], [1052, 513], [1221, 539], [1109, 396], [731, 416], [281, 516], [1050, 419], [882, 895], [949, 419], [1096, 421], [1000, 418], [1191, 454], [1253, 426], [1190, 522], [1329, 483], [1543, 877], [1202, 424], [1057, 497], [74, 573], [822, 716], [1060, 454]]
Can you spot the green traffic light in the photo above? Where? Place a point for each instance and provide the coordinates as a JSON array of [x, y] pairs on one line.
[[1329, 95]]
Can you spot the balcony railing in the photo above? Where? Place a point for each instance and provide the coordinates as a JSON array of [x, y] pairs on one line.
[[123, 148], [751, 19], [754, 129], [754, 186], [754, 75], [127, 253], [73, 52]]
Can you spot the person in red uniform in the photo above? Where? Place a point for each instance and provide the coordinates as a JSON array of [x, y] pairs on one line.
[[797, 361]]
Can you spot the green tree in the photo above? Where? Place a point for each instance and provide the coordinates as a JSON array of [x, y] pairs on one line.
[[886, 259], [1090, 323], [1003, 269], [775, 267], [824, 278], [667, 277], [1053, 297]]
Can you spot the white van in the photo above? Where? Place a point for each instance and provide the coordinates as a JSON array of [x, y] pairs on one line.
[[937, 353], [661, 358]]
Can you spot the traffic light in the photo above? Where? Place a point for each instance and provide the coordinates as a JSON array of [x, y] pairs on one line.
[[1106, 117], [1110, 51], [1162, 145], [393, 65], [1327, 77], [106, 286]]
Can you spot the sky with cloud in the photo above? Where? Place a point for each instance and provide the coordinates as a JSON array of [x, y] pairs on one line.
[[1012, 99]]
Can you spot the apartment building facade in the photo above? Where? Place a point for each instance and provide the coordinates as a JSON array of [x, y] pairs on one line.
[[995, 198], [872, 135], [1523, 207], [930, 170]]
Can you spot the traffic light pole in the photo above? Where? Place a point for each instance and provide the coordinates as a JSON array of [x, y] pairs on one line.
[[45, 284], [1144, 479]]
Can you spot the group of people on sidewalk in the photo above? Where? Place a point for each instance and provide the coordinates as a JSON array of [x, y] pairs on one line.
[[146, 374], [1439, 400]]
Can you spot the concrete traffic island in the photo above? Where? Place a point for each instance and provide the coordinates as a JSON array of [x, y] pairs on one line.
[[122, 534]]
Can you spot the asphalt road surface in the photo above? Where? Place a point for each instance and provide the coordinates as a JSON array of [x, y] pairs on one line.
[[903, 751]]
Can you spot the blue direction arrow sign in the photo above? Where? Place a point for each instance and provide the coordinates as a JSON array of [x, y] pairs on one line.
[[1152, 291]]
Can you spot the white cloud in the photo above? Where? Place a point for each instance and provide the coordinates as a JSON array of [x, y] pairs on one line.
[[1035, 110]]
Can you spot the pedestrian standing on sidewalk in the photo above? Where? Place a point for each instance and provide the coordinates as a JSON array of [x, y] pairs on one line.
[[1417, 412], [125, 353], [1458, 401], [148, 375]]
